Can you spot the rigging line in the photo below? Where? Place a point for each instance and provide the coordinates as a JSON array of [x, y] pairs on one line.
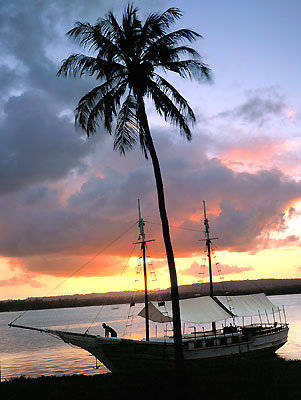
[[219, 271], [121, 273], [81, 267], [132, 303], [177, 227], [239, 269]]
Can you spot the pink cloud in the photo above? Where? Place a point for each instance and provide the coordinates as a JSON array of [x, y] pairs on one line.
[[262, 153], [290, 113], [258, 154], [20, 280], [217, 270]]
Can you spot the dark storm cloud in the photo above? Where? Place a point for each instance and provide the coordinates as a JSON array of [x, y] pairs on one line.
[[36, 144], [33, 43]]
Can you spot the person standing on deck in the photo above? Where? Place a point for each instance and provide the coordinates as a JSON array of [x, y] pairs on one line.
[[109, 330]]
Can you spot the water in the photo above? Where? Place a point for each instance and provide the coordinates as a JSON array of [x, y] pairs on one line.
[[292, 305], [31, 354]]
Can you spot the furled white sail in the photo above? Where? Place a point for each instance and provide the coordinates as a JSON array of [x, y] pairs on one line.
[[248, 305], [205, 309], [155, 314], [198, 310]]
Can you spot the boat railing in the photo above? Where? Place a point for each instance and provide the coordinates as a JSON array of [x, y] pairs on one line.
[[264, 329], [198, 340], [232, 331], [239, 333]]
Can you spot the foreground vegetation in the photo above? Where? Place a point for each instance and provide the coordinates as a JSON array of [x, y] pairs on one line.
[[249, 379]]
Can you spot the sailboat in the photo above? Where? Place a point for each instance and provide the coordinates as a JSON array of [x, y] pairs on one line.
[[231, 340]]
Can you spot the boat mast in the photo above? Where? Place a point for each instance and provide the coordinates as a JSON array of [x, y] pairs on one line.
[[143, 243], [208, 245]]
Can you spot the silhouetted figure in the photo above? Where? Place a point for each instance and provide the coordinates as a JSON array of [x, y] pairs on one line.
[[109, 330], [230, 329]]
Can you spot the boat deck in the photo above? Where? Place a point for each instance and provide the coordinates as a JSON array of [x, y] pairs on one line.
[[225, 336]]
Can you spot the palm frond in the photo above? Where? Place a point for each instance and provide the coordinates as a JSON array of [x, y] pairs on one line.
[[158, 49], [155, 27], [81, 33], [127, 129], [106, 109], [96, 37], [191, 69], [100, 104], [177, 52], [168, 17], [157, 24], [179, 101], [88, 102], [169, 109], [78, 64], [110, 28]]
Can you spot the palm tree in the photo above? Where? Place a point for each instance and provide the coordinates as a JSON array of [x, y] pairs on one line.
[[126, 60]]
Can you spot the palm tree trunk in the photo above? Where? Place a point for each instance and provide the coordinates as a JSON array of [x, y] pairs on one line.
[[166, 237]]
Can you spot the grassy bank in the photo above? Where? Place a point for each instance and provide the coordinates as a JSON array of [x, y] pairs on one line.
[[253, 379]]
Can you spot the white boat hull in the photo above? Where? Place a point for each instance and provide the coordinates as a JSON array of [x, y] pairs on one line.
[[120, 355]]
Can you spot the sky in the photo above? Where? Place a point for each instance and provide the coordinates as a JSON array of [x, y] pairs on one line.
[[68, 205]]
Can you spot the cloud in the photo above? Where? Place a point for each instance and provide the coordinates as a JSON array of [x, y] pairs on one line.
[[291, 114], [259, 107], [243, 207], [33, 44], [258, 153], [36, 144], [219, 270], [22, 279], [69, 265]]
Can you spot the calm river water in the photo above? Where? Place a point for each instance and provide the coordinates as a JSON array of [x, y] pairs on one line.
[[31, 354]]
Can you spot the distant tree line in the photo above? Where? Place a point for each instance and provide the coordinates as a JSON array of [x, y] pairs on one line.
[[268, 286]]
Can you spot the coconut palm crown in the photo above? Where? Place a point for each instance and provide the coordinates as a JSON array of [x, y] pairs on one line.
[[127, 59]]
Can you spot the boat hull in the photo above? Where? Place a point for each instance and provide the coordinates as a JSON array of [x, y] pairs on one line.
[[122, 355]]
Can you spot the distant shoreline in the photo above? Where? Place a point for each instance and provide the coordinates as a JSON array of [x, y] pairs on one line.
[[268, 286]]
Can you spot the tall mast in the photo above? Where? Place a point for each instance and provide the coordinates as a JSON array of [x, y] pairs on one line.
[[143, 243], [208, 245]]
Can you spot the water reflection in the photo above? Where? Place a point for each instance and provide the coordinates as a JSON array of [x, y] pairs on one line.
[[33, 354]]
